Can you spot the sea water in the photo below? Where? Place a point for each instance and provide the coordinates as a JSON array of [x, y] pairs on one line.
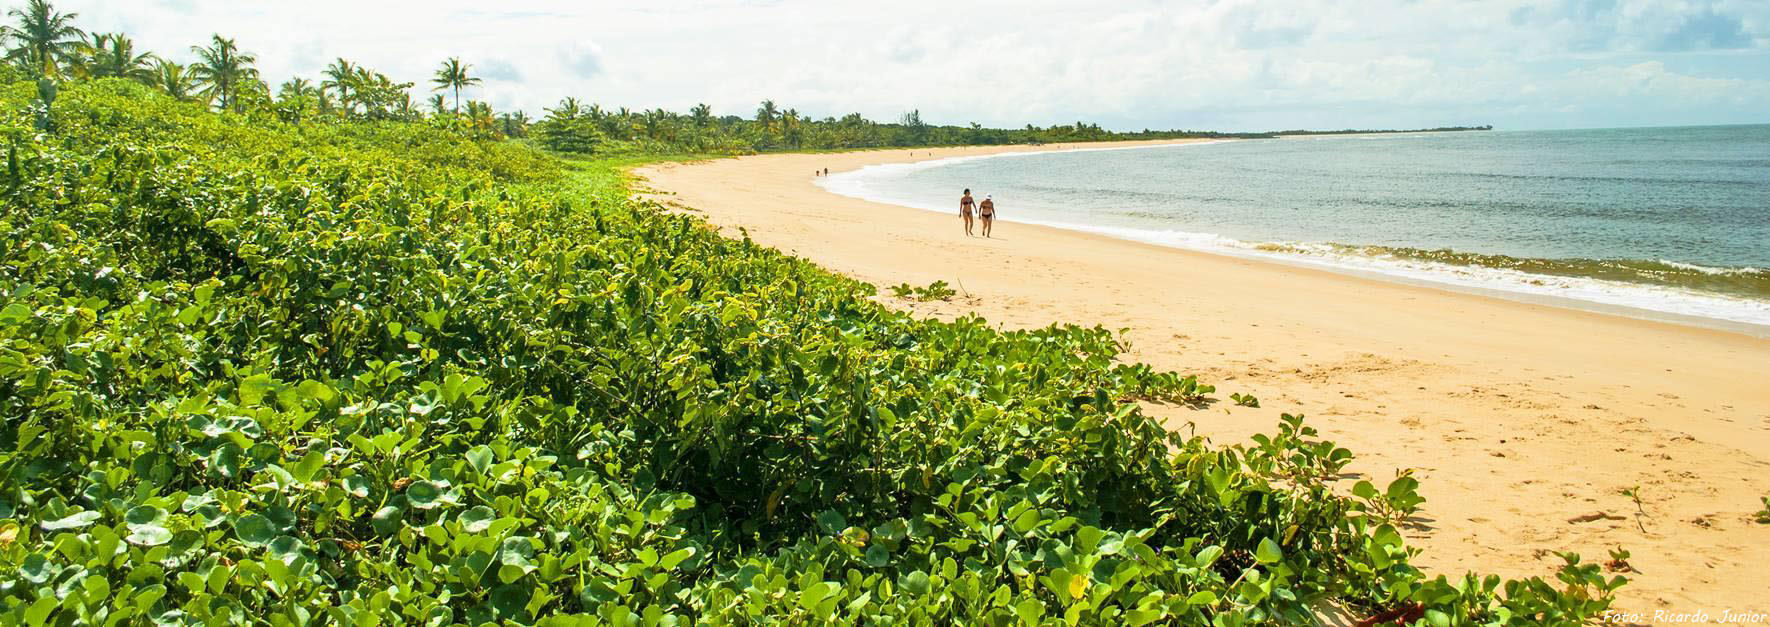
[[1653, 222]]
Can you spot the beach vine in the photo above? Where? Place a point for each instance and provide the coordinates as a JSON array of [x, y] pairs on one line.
[[267, 371]]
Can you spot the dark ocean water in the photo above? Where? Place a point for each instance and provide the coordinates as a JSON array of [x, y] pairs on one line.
[[1674, 220]]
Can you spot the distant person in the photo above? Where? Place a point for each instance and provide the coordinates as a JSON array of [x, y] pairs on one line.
[[826, 171], [987, 211], [965, 204]]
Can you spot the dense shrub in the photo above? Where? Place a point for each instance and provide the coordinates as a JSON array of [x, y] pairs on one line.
[[253, 372]]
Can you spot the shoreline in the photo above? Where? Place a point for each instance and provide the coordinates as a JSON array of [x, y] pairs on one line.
[[1725, 312], [1518, 418]]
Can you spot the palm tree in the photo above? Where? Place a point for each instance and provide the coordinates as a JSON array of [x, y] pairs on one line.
[[514, 124], [46, 39], [340, 77], [293, 98], [701, 114], [113, 55], [221, 68], [791, 127], [172, 78], [765, 115], [297, 92], [453, 76], [404, 108], [296, 88], [363, 87], [437, 105], [567, 109], [479, 118]]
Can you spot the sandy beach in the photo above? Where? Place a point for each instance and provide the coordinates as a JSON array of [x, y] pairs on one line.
[[1521, 420]]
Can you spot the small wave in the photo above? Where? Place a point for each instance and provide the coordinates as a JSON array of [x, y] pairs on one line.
[[1712, 269], [1730, 294], [1752, 283]]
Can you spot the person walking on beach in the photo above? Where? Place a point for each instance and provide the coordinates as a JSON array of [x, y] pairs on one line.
[[987, 211], [965, 204]]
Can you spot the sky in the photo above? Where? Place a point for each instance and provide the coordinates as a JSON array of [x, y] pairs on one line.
[[1226, 65]]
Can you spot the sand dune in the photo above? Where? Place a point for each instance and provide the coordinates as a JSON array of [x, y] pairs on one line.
[[1520, 419]]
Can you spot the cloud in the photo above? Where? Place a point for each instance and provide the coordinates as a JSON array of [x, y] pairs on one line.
[[1222, 64], [1258, 29], [1644, 25], [498, 70], [181, 6], [1706, 30], [582, 58]]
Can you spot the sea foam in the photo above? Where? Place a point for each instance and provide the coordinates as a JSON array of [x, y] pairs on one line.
[[875, 183]]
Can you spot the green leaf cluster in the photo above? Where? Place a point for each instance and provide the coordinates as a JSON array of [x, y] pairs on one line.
[[938, 290]]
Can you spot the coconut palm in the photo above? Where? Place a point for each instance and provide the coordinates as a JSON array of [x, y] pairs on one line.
[[296, 88], [568, 109], [173, 79], [479, 118], [514, 124], [702, 114], [766, 114], [404, 109], [363, 91], [223, 70], [792, 127], [44, 39], [453, 76], [340, 79], [297, 93], [438, 106], [113, 55], [294, 99]]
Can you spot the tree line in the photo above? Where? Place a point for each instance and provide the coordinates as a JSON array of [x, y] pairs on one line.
[[46, 44]]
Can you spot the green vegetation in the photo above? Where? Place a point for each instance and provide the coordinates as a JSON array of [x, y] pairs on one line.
[[358, 369], [938, 290], [1395, 504], [260, 371], [47, 43]]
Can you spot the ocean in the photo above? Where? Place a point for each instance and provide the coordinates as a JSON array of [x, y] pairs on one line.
[[1670, 223]]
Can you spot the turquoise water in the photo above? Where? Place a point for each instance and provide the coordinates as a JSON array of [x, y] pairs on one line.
[[1672, 220]]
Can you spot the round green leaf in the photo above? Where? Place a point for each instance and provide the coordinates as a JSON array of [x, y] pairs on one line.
[[36, 569], [510, 600], [423, 494], [387, 520], [357, 486], [255, 530], [1268, 553], [285, 546], [73, 521], [149, 535], [144, 515], [477, 519]]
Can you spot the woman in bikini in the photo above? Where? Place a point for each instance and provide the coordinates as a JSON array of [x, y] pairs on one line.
[[987, 211], [965, 204]]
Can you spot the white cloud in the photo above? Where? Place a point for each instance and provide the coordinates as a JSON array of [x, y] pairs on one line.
[[1224, 64]]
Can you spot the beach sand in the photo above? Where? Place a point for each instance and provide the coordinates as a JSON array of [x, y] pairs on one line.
[[1517, 418]]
